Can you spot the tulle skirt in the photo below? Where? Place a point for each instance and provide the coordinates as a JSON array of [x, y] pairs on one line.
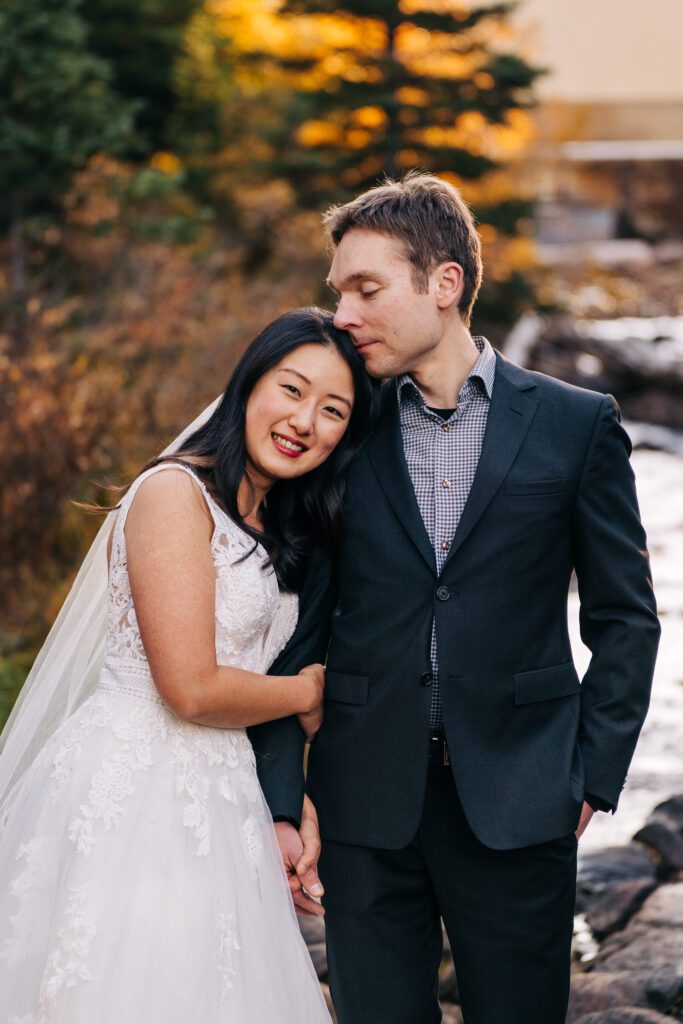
[[142, 883]]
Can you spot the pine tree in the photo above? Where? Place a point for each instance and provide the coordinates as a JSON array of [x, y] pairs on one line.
[[142, 41], [391, 84], [364, 88], [56, 109]]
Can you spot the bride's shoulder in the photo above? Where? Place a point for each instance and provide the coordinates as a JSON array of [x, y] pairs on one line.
[[167, 492]]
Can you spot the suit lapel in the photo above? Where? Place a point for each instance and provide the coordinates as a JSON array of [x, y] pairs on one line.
[[510, 414], [385, 451]]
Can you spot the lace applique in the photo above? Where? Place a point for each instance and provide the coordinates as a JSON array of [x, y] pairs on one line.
[[29, 887], [114, 781], [95, 714], [66, 965], [253, 841], [195, 749], [227, 945]]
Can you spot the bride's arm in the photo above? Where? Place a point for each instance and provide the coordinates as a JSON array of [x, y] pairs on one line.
[[168, 532]]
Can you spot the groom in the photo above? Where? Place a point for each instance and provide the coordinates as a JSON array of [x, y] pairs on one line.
[[460, 754]]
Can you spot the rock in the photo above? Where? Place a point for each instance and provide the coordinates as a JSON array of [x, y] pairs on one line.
[[652, 956], [601, 991], [611, 865], [624, 1015], [312, 929], [610, 909], [663, 832], [672, 811], [668, 844], [664, 909], [448, 982], [611, 886], [328, 999], [318, 954], [451, 1014]]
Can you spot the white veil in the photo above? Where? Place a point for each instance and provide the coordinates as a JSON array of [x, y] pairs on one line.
[[67, 668]]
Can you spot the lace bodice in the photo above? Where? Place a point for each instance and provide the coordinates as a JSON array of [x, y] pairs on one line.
[[254, 619]]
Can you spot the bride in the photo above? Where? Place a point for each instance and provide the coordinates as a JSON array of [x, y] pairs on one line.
[[142, 882]]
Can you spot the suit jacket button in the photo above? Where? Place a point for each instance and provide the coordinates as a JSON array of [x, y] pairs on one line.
[[443, 593], [426, 679]]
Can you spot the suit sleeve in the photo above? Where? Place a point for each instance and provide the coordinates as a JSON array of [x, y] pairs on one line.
[[279, 745], [618, 615]]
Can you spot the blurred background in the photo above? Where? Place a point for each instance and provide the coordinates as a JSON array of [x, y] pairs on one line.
[[163, 166]]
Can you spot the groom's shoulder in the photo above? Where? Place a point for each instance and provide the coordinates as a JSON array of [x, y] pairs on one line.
[[547, 388]]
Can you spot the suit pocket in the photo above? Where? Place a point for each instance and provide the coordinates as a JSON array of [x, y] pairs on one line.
[[546, 683], [348, 689], [531, 487]]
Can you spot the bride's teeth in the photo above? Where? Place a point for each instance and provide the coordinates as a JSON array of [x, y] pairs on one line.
[[288, 444]]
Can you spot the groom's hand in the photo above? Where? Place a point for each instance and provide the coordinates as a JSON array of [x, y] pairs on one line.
[[300, 851], [587, 813]]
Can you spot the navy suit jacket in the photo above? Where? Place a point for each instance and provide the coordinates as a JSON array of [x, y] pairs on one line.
[[553, 494]]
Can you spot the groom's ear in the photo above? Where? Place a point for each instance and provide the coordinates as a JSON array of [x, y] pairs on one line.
[[449, 284]]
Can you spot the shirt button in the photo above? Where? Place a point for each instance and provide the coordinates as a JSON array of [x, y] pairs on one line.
[[445, 544], [446, 427], [443, 593], [426, 679], [445, 483]]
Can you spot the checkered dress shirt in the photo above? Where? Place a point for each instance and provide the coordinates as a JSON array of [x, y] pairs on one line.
[[442, 457]]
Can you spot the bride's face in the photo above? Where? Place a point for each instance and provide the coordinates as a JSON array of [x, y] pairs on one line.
[[297, 413]]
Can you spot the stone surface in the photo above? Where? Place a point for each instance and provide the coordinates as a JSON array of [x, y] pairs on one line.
[[451, 1014], [611, 908], [448, 982], [667, 843], [312, 929], [654, 958], [612, 865], [664, 908], [318, 955], [328, 999], [602, 991], [624, 1015]]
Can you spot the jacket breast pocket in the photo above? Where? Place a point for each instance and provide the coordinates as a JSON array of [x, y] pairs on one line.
[[528, 488], [546, 683], [347, 688]]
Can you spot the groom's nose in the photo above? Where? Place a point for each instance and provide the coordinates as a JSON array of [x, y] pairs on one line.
[[348, 314]]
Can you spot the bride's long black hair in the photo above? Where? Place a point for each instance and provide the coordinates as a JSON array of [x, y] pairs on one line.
[[307, 509]]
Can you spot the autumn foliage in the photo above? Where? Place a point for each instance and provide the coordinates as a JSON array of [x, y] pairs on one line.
[[128, 290]]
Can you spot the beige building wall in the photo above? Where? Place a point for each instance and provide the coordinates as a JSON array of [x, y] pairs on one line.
[[605, 51]]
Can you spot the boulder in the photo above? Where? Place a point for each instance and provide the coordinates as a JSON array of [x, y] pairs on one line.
[[312, 929], [663, 832], [318, 954], [624, 1015], [601, 991], [451, 1014], [664, 909], [328, 999], [654, 958], [448, 982], [613, 864], [610, 909]]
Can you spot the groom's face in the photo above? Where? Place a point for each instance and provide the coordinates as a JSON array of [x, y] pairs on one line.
[[393, 326]]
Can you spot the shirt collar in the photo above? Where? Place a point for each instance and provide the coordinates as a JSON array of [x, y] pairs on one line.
[[483, 370]]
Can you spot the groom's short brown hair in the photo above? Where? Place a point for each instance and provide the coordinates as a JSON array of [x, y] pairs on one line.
[[429, 217]]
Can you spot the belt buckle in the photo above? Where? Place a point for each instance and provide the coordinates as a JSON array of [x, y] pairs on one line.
[[443, 750]]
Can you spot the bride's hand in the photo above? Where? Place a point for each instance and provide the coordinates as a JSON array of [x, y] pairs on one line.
[[311, 719]]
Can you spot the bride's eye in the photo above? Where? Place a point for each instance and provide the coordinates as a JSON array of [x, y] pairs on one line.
[[293, 390]]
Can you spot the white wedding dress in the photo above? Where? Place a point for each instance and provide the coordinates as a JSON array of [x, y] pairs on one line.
[[141, 882]]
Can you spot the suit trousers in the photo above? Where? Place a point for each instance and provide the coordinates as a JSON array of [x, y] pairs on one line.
[[508, 915]]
